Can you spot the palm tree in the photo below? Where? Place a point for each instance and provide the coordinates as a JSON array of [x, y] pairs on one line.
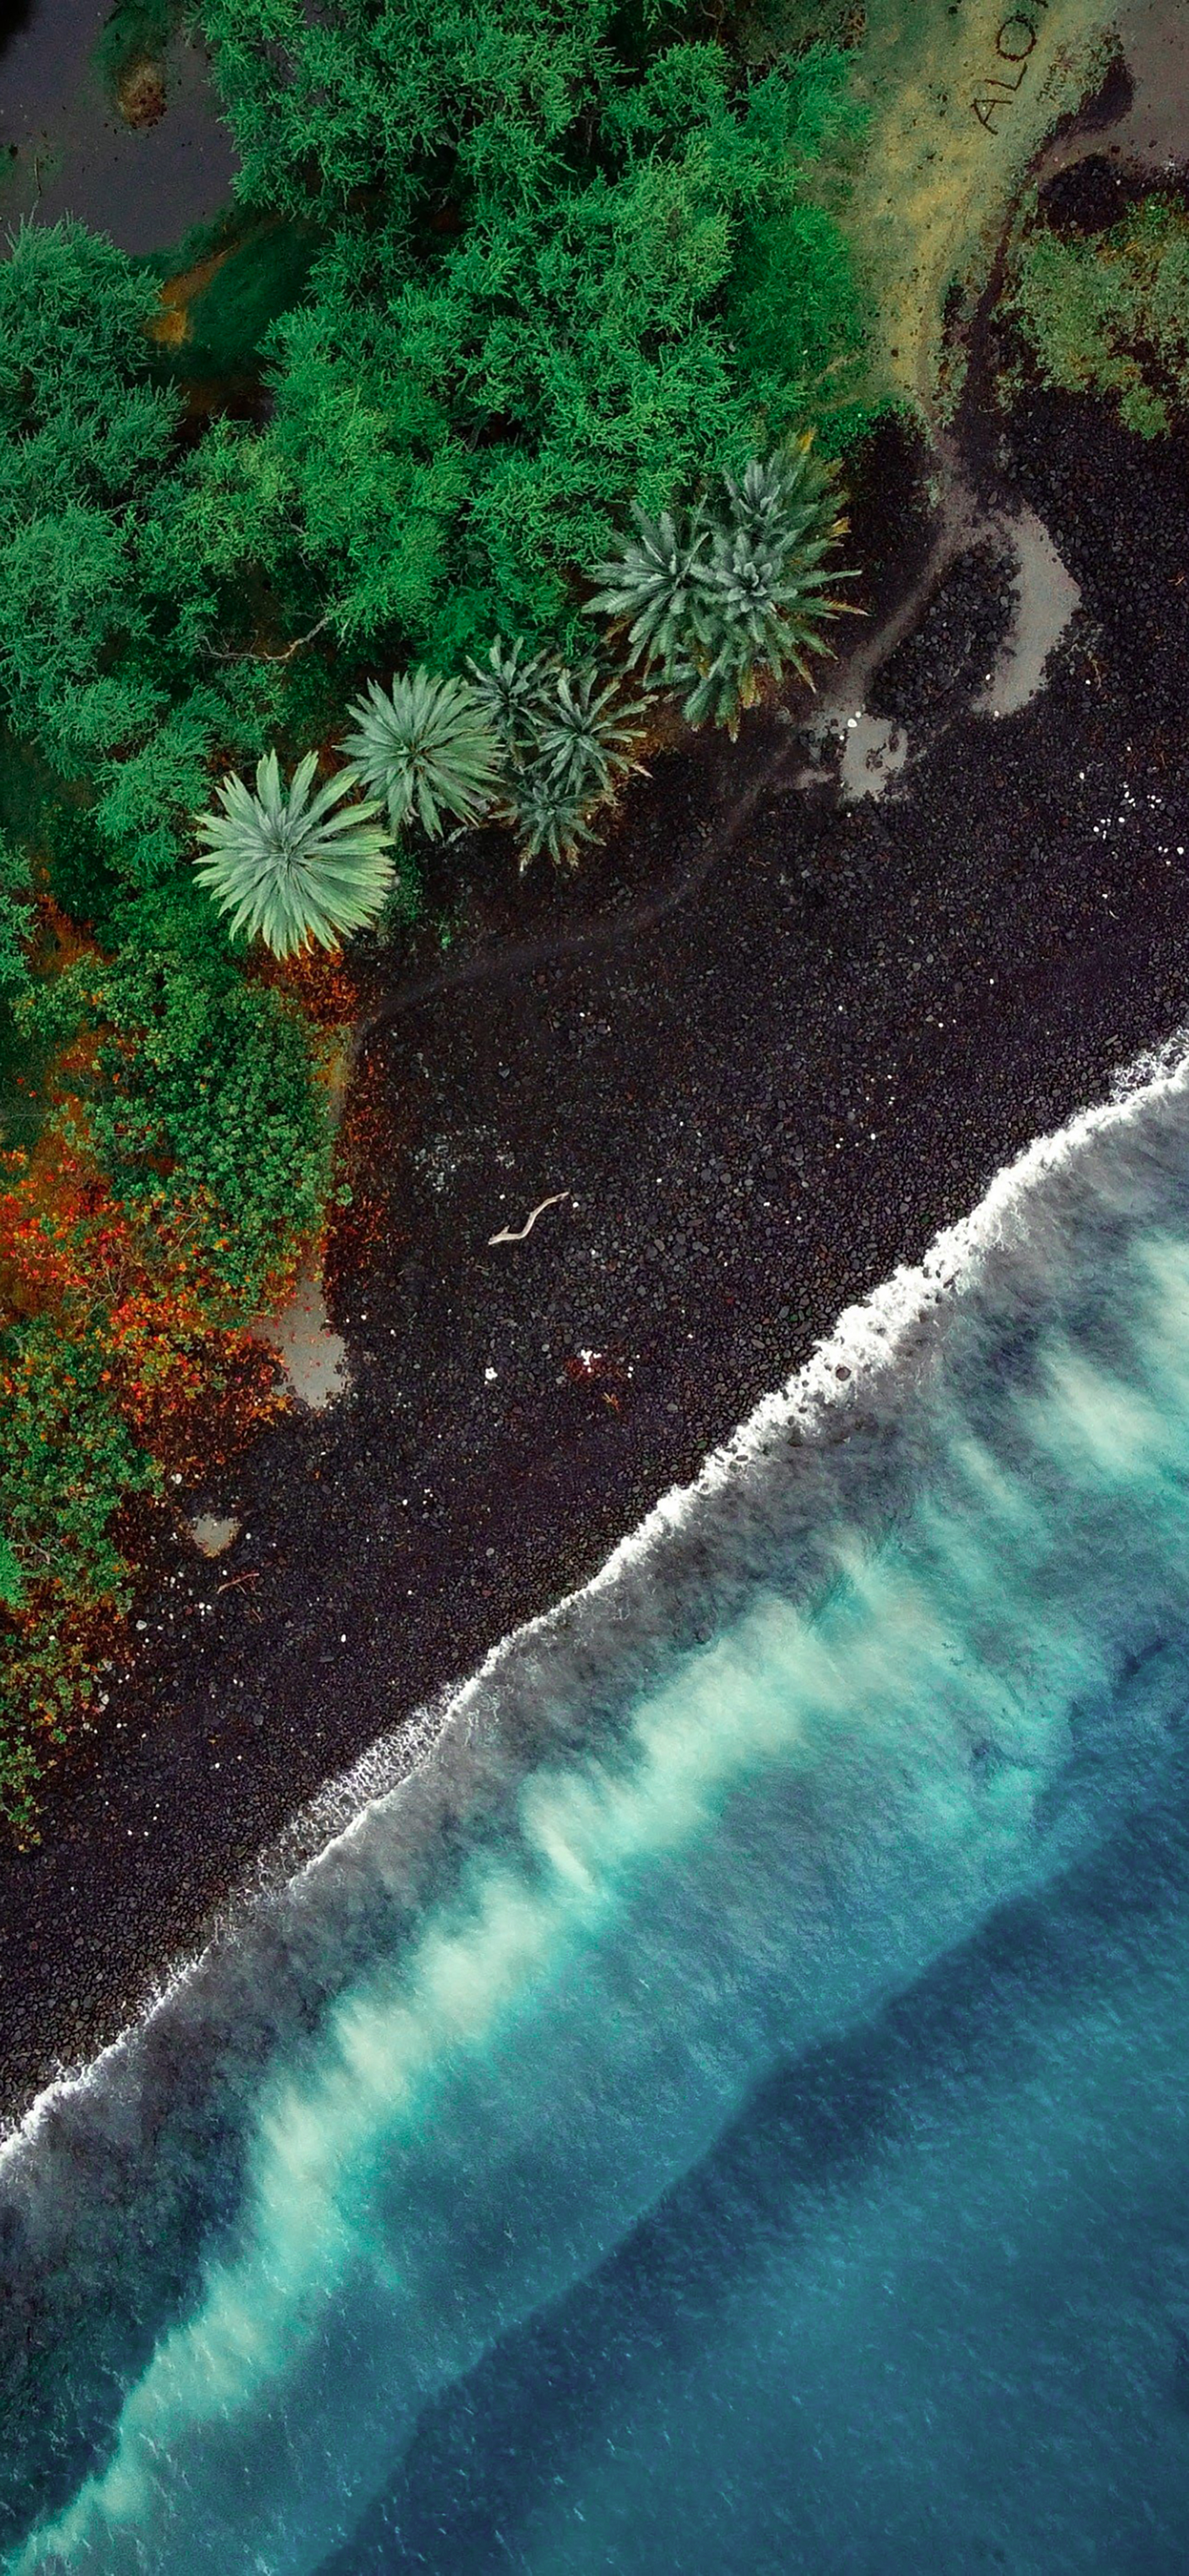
[[743, 594], [509, 686], [649, 587], [584, 735], [753, 617], [787, 500], [286, 866], [547, 815], [575, 742], [427, 746]]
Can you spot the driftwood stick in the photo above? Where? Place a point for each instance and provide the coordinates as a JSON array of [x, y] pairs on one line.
[[516, 1234]]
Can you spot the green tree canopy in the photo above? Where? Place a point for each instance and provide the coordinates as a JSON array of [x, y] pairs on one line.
[[550, 233]]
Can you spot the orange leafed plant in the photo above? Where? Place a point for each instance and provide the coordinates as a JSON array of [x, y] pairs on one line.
[[130, 1282]]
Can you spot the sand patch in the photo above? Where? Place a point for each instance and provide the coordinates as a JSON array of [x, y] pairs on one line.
[[214, 1532], [312, 1355]]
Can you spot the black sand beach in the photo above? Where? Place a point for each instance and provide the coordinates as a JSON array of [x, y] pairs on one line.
[[758, 1106]]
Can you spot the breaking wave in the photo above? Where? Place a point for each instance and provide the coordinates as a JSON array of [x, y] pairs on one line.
[[724, 2066]]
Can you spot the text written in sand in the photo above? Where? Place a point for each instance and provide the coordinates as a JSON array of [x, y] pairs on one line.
[[1016, 40]]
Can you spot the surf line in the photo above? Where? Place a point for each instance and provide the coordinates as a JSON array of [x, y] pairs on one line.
[[1016, 41], [865, 1340]]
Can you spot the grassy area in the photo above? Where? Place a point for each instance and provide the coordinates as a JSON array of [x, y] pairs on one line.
[[960, 96]]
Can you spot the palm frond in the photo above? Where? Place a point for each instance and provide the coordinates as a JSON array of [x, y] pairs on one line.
[[762, 595], [286, 866], [787, 500], [549, 816], [736, 592], [509, 686]]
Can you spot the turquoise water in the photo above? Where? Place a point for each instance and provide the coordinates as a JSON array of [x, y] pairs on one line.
[[727, 2110]]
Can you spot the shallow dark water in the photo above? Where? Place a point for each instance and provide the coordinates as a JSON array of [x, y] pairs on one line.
[[64, 149], [728, 2110]]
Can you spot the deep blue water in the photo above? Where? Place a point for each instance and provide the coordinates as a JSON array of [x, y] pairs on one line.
[[727, 2109]]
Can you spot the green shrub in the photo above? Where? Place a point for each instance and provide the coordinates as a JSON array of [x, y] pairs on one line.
[[204, 1110], [67, 1465], [16, 921], [769, 28], [1110, 313], [525, 317], [194, 1165], [120, 565], [79, 423], [12, 1581], [259, 269], [799, 324]]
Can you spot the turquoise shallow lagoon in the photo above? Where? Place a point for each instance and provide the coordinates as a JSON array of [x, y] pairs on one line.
[[728, 2107]]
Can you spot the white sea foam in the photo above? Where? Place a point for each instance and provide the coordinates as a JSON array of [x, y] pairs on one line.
[[863, 1346]]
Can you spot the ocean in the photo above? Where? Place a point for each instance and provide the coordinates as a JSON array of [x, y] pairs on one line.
[[717, 2102]]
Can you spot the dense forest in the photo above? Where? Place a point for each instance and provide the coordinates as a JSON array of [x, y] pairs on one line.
[[503, 402]]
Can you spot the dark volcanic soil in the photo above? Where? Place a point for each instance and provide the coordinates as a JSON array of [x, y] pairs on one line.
[[759, 1106]]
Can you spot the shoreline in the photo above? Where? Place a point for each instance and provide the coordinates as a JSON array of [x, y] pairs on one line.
[[867, 1348], [753, 1134]]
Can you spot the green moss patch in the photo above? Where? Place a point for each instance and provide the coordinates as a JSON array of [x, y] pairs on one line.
[[1110, 314]]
